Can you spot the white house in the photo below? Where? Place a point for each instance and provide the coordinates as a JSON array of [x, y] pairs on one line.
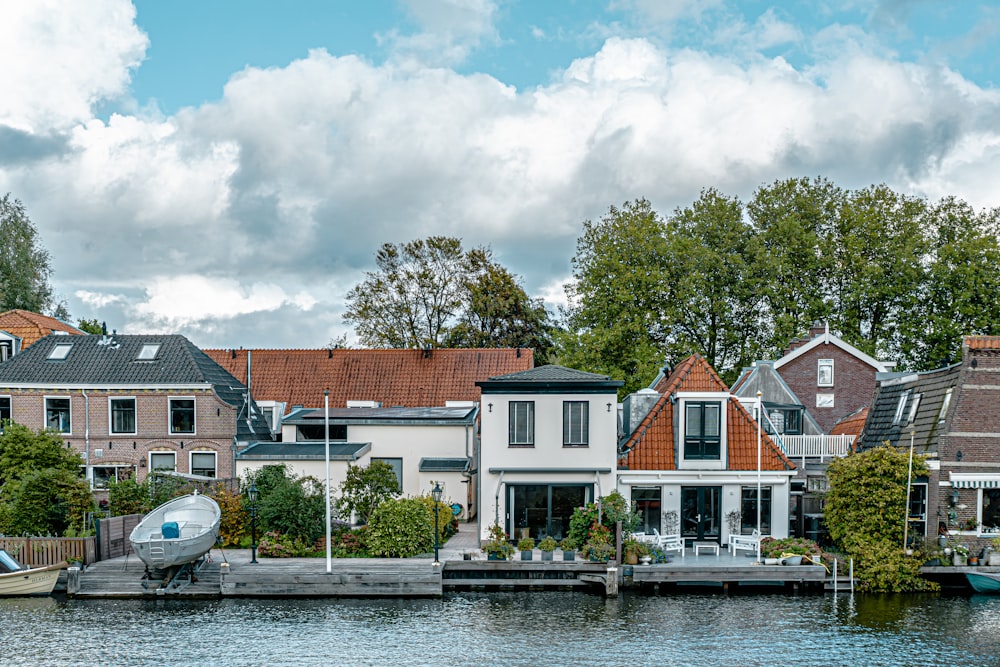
[[548, 446]]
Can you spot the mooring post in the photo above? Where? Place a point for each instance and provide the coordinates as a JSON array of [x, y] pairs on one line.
[[611, 582], [72, 580]]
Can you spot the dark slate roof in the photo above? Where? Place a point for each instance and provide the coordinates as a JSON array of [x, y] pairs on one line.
[[464, 414], [276, 451], [880, 426], [443, 465], [112, 361], [774, 392], [551, 378]]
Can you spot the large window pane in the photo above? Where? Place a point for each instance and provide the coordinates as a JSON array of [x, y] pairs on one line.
[[203, 463], [748, 507], [162, 461], [123, 415], [522, 423], [182, 415], [702, 428], [57, 415], [537, 510], [648, 503], [576, 423]]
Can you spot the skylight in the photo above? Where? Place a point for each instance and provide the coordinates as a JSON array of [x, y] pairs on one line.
[[60, 351], [148, 351]]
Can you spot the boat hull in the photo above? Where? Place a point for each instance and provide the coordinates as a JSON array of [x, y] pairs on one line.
[[985, 582], [33, 581], [178, 532]]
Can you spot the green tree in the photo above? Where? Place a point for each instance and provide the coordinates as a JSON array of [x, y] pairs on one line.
[[45, 501], [616, 323], [291, 505], [90, 326], [24, 264], [365, 488], [23, 451], [865, 512]]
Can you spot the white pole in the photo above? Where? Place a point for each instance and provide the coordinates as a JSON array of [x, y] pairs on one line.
[[326, 456], [906, 510], [760, 417]]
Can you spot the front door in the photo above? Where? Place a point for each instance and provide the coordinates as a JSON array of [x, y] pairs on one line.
[[701, 512]]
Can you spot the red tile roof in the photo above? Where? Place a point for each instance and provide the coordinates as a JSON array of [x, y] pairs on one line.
[[651, 445], [407, 378], [983, 342], [851, 424], [30, 327]]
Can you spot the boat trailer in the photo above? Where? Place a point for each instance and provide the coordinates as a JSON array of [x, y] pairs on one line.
[[175, 578]]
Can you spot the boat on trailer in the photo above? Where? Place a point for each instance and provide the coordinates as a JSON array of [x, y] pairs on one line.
[[984, 582], [16, 579], [177, 532]]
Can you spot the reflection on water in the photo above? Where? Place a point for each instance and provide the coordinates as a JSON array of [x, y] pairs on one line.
[[508, 629]]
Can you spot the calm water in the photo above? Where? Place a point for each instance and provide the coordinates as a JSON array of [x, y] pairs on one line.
[[507, 629]]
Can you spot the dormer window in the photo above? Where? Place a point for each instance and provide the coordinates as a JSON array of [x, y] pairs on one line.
[[901, 408], [60, 351], [703, 430], [148, 351]]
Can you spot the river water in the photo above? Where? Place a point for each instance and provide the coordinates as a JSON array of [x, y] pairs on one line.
[[524, 628]]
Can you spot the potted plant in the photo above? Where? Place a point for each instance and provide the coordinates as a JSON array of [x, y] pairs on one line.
[[547, 545], [497, 547], [960, 553], [525, 545], [598, 547], [994, 558], [568, 546]]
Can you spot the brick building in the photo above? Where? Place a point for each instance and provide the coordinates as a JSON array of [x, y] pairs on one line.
[[132, 403]]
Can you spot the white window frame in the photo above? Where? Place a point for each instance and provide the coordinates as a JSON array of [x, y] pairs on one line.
[[703, 397], [576, 423], [111, 415], [170, 415], [822, 364], [943, 414], [148, 352], [914, 406], [60, 351], [901, 407], [150, 456], [215, 461], [45, 413]]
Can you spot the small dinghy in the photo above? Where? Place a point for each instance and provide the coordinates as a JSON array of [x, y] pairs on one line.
[[16, 579], [987, 582], [178, 532]]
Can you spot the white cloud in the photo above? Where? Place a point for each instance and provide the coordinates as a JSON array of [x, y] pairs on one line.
[[58, 61], [449, 31]]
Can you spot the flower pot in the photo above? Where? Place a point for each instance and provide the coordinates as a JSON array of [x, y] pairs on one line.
[[994, 559], [645, 560], [569, 555], [546, 555], [494, 556], [792, 560], [973, 561], [525, 555], [958, 560], [631, 558]]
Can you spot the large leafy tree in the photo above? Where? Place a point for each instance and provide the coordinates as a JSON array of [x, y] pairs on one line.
[[618, 300], [23, 450], [24, 263]]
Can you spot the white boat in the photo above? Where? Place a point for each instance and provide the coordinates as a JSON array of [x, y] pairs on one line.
[[16, 579], [178, 532]]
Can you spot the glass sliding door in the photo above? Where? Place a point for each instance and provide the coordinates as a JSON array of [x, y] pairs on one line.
[[537, 510], [648, 503]]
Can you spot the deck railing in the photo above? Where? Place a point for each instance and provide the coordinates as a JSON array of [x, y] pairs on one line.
[[820, 447], [41, 551]]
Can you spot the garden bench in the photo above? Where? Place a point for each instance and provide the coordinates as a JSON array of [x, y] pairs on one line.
[[749, 542]]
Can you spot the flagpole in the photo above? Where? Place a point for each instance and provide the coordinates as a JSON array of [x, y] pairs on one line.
[[760, 418], [326, 456]]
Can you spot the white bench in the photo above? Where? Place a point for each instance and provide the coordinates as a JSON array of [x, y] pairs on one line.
[[705, 546], [671, 543], [746, 542]]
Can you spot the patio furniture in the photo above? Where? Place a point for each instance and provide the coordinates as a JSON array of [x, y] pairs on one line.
[[749, 542], [705, 546], [668, 543]]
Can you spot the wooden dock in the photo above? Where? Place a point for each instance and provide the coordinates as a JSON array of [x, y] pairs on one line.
[[348, 577], [729, 575]]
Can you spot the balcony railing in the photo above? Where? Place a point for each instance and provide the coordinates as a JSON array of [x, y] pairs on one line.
[[812, 447]]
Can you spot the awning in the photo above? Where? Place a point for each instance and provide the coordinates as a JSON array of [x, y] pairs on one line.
[[967, 481]]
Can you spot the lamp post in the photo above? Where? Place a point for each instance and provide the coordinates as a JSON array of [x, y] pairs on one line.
[[436, 495], [252, 496]]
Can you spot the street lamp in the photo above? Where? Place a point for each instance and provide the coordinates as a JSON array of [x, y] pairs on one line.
[[252, 496], [436, 495]]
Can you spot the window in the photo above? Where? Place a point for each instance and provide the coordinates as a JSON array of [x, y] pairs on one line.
[[60, 351], [748, 510], [307, 432], [576, 423], [203, 463], [5, 413], [182, 415], [648, 503], [522, 424], [784, 421], [824, 374], [57, 415], [917, 514], [914, 404], [103, 475], [901, 408], [148, 352], [397, 469], [162, 461], [123, 415], [702, 430], [944, 406]]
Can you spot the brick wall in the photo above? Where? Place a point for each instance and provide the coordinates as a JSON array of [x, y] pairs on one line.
[[853, 388], [215, 426]]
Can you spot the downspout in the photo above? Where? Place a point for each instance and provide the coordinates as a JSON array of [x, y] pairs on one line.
[[496, 505], [86, 439]]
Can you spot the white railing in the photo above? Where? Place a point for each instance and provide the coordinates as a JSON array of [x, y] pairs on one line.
[[820, 447]]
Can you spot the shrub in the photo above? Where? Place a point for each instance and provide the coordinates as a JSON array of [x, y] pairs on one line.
[[447, 523], [365, 488], [276, 545], [771, 547], [547, 543], [400, 528], [235, 517], [525, 544]]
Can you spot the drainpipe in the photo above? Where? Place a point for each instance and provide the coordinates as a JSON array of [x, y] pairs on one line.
[[86, 439], [496, 506]]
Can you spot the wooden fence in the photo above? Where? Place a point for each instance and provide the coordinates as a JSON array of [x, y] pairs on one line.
[[40, 551], [112, 535]]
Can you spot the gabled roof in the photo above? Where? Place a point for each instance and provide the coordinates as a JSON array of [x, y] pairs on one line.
[[881, 425], [113, 362], [764, 378], [851, 424], [827, 338], [408, 378], [30, 327], [651, 445], [548, 379], [982, 342]]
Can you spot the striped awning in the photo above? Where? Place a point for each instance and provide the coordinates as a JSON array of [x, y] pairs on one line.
[[967, 481]]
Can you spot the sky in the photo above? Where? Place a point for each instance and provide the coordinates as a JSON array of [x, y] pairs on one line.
[[228, 170]]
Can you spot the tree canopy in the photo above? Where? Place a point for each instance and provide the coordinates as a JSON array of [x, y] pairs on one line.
[[432, 292], [24, 264]]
